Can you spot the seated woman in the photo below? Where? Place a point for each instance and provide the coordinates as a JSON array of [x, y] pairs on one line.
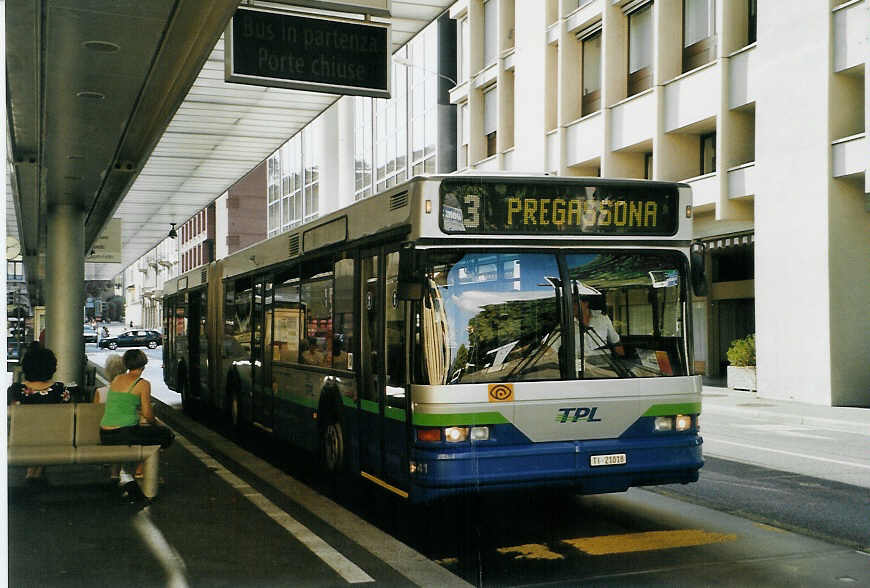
[[129, 395], [114, 367], [38, 366]]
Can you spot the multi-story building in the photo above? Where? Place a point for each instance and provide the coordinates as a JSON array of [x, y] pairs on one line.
[[142, 283], [760, 106]]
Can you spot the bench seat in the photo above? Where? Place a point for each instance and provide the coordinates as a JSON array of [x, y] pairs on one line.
[[55, 434]]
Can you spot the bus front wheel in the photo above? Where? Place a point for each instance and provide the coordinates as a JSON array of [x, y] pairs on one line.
[[332, 446]]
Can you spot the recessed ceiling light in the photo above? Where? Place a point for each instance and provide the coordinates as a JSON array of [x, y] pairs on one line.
[[90, 95], [101, 46]]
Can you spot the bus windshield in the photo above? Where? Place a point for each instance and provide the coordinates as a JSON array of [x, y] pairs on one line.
[[501, 316]]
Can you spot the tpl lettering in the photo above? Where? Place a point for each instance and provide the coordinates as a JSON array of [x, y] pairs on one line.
[[580, 413]]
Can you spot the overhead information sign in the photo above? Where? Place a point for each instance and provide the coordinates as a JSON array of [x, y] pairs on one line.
[[528, 207], [107, 247], [306, 53]]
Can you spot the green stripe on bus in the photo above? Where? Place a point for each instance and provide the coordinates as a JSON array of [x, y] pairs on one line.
[[348, 401], [672, 409], [470, 418], [396, 414], [369, 406]]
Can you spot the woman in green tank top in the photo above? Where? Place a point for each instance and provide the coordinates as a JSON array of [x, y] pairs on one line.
[[128, 398]]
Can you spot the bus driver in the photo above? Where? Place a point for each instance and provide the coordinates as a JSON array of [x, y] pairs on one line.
[[599, 335]]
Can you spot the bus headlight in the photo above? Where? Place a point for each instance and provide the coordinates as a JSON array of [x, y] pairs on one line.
[[479, 433], [683, 422], [455, 434], [664, 423]]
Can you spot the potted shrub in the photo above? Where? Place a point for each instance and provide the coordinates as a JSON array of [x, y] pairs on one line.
[[741, 357]]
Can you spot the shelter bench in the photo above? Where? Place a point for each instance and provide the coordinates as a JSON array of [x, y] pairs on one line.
[[54, 434]]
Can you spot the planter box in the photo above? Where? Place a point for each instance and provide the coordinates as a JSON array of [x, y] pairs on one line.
[[741, 378]]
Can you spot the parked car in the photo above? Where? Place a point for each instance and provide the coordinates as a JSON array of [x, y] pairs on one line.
[[90, 334], [136, 338]]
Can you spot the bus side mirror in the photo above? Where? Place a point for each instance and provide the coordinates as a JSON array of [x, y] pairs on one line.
[[410, 286], [699, 275]]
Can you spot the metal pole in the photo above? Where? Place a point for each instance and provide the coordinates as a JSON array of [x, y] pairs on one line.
[[65, 285]]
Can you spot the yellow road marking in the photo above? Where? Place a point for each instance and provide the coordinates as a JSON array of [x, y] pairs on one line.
[[531, 551], [650, 541], [770, 528]]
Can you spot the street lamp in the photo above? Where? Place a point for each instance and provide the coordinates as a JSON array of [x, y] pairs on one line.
[[409, 64]]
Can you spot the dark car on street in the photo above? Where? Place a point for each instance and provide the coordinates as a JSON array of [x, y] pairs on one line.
[[136, 338]]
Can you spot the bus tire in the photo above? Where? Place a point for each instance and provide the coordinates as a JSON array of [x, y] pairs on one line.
[[332, 447], [186, 401], [234, 404]]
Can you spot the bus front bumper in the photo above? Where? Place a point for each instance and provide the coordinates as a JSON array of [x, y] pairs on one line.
[[478, 468]]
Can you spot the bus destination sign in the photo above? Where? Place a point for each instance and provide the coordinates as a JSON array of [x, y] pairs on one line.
[[302, 53], [551, 208]]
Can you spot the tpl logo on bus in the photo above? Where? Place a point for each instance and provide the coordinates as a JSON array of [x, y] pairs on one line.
[[584, 413]]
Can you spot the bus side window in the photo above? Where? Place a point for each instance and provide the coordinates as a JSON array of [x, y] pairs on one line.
[[316, 295], [287, 318], [342, 323]]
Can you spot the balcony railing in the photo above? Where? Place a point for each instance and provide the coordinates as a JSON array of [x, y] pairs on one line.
[[850, 34]]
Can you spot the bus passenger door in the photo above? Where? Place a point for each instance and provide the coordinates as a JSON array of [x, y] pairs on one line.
[[383, 432], [261, 354], [395, 409], [370, 433]]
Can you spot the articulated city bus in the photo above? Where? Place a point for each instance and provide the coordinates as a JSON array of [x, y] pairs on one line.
[[461, 334]]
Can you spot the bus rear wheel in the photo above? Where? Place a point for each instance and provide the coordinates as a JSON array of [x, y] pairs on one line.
[[186, 402], [234, 410], [332, 447]]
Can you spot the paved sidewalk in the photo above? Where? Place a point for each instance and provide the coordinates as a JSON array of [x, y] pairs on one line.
[[721, 400]]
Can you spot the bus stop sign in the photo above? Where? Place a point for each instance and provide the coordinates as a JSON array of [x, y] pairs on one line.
[[336, 56]]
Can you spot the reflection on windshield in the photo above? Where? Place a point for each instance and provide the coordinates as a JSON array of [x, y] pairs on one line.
[[496, 317], [492, 317]]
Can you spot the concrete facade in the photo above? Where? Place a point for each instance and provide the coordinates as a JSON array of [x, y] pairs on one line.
[[769, 128]]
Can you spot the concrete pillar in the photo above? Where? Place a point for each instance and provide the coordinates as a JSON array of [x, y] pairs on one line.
[[64, 285]]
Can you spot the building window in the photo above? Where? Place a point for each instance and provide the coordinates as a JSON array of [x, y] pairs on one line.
[[490, 32], [390, 138], [490, 119], [422, 94], [699, 33], [640, 49], [648, 166], [462, 49], [591, 50], [464, 125], [752, 32], [311, 169], [708, 153], [363, 148]]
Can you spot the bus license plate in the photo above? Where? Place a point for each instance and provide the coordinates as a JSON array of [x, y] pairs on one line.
[[606, 460]]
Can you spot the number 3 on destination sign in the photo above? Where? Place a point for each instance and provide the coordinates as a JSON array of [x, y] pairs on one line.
[[472, 211]]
